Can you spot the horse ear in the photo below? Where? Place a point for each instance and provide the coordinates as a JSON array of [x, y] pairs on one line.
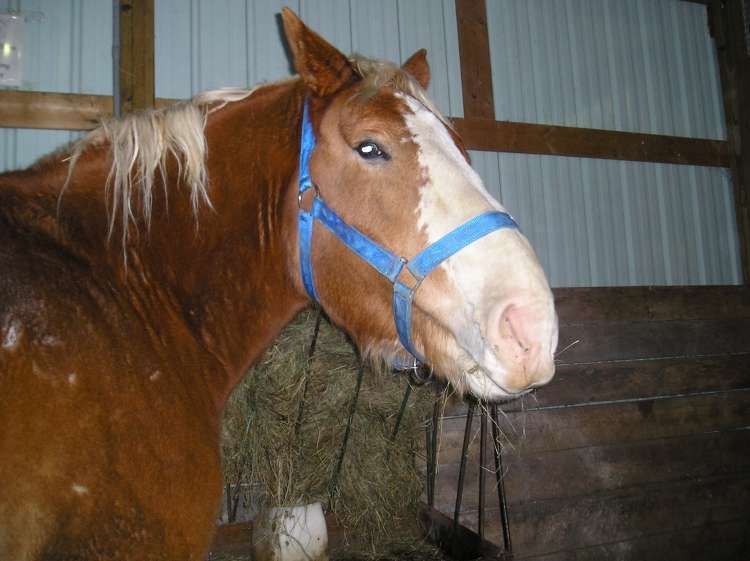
[[418, 67], [322, 67]]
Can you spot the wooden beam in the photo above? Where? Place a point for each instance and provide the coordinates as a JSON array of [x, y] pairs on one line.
[[726, 24], [635, 380], [136, 55], [554, 140], [46, 110], [51, 110], [474, 52], [463, 544], [652, 303]]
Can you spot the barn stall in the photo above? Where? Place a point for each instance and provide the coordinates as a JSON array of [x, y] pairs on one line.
[[612, 130]]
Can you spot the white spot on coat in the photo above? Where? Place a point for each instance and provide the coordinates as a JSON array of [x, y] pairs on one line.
[[51, 341], [155, 375], [79, 489], [72, 378], [11, 333]]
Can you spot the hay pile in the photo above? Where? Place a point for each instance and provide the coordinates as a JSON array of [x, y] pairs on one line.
[[280, 462]]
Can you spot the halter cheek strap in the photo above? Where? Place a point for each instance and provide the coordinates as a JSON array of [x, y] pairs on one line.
[[306, 220], [386, 263]]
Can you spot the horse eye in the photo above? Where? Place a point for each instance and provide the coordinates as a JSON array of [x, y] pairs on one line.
[[371, 151]]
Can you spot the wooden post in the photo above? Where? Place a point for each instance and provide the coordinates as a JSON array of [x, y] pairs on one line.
[[474, 52], [727, 23], [136, 55]]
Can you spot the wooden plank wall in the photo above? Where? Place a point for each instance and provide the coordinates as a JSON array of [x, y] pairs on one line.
[[640, 446]]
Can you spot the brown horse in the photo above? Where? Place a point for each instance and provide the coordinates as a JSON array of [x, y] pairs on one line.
[[141, 278]]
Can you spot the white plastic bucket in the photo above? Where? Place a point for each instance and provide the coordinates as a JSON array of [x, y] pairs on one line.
[[295, 533]]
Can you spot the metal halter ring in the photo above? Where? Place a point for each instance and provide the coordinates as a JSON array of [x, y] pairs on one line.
[[316, 191]]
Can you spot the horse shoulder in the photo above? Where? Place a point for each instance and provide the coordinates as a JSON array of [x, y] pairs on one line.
[[96, 422]]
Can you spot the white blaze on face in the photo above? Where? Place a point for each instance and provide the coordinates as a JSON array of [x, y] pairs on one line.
[[488, 277]]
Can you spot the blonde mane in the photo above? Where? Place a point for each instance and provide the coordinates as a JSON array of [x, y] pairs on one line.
[[140, 143], [139, 146]]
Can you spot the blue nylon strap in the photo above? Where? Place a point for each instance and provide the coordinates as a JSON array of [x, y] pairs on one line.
[[382, 260], [306, 220], [403, 297], [426, 260], [306, 223], [307, 145]]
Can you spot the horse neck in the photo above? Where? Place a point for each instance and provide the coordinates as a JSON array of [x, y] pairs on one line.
[[216, 284], [219, 285], [229, 269]]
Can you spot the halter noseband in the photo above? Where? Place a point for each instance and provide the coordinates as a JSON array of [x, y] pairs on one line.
[[383, 261]]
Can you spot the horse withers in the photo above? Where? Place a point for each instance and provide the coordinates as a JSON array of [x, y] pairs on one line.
[[146, 267]]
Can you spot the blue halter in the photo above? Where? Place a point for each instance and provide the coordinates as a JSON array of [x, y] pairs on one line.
[[383, 261]]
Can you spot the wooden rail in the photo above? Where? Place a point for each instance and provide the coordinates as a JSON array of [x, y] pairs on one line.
[[52, 110], [47, 110], [553, 140]]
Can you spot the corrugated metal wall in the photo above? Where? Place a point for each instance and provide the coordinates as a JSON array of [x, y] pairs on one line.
[[610, 223], [67, 48], [201, 45], [641, 65]]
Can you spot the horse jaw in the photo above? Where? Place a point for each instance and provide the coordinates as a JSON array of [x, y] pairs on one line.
[[492, 297]]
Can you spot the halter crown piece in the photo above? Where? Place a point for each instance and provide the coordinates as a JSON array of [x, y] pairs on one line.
[[383, 261]]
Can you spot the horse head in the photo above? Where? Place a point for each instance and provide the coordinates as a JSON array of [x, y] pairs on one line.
[[388, 166]]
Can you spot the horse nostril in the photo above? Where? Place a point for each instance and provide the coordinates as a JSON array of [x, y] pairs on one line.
[[521, 330], [510, 328]]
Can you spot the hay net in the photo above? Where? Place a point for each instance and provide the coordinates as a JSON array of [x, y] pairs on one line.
[[271, 459]]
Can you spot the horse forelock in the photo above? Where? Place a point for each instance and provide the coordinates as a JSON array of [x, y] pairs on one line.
[[376, 74], [140, 145]]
